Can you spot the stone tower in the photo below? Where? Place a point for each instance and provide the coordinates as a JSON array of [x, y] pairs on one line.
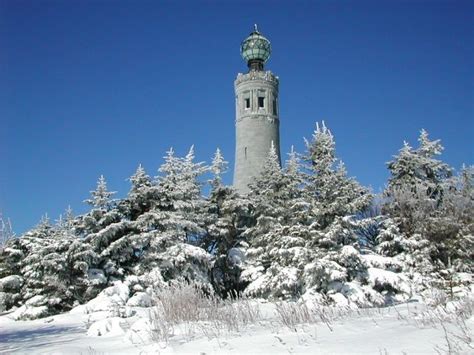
[[257, 122]]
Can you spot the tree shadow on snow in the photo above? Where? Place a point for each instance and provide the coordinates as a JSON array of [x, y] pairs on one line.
[[21, 340]]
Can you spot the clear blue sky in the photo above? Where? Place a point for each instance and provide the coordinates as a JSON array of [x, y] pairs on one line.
[[97, 87]]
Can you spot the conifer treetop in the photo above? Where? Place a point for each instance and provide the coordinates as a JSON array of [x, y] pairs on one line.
[[218, 167], [139, 178], [100, 197]]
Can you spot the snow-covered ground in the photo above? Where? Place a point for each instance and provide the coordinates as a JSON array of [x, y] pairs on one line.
[[407, 328]]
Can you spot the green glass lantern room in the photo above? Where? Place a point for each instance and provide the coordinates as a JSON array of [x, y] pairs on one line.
[[255, 50]]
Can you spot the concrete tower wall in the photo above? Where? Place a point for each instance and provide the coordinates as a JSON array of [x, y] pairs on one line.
[[256, 126]]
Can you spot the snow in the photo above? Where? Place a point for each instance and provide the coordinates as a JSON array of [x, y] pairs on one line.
[[36, 301], [11, 283], [106, 327], [362, 296], [383, 279], [382, 262], [369, 331], [109, 300], [464, 277], [29, 312], [139, 299], [140, 332], [118, 293]]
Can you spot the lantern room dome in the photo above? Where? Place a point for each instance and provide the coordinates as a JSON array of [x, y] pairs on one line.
[[255, 48]]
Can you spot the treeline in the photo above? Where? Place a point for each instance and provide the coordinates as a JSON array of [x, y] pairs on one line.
[[305, 230]]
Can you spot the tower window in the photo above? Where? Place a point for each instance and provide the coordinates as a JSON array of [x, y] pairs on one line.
[[274, 106], [247, 103], [261, 102]]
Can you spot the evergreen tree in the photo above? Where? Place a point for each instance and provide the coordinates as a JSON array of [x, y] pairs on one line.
[[33, 244], [434, 171], [103, 213], [466, 181], [416, 182], [66, 224], [267, 193], [101, 196], [11, 255], [52, 265], [6, 231], [277, 253], [176, 220], [430, 206], [140, 196], [229, 214], [415, 187], [390, 241], [451, 225], [139, 180], [330, 192], [150, 229], [299, 223], [178, 201], [218, 168]]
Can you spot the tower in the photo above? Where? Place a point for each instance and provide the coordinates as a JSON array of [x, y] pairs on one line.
[[257, 123]]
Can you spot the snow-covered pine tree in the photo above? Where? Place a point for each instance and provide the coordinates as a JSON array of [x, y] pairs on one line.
[[178, 202], [314, 238], [218, 236], [105, 228], [150, 230], [66, 264], [417, 183], [6, 230], [218, 167], [139, 180], [329, 190], [305, 244], [119, 239], [32, 245], [431, 209], [140, 196], [11, 254], [277, 253], [296, 203], [175, 222], [419, 166], [193, 206], [62, 268], [65, 222], [69, 219], [101, 196], [229, 214], [435, 171], [49, 267], [451, 225], [466, 181], [390, 241], [267, 194], [103, 212]]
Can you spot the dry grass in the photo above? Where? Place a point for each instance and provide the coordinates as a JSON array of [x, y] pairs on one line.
[[185, 310], [188, 310]]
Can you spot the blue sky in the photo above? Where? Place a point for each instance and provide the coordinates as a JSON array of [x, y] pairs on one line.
[[97, 87]]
